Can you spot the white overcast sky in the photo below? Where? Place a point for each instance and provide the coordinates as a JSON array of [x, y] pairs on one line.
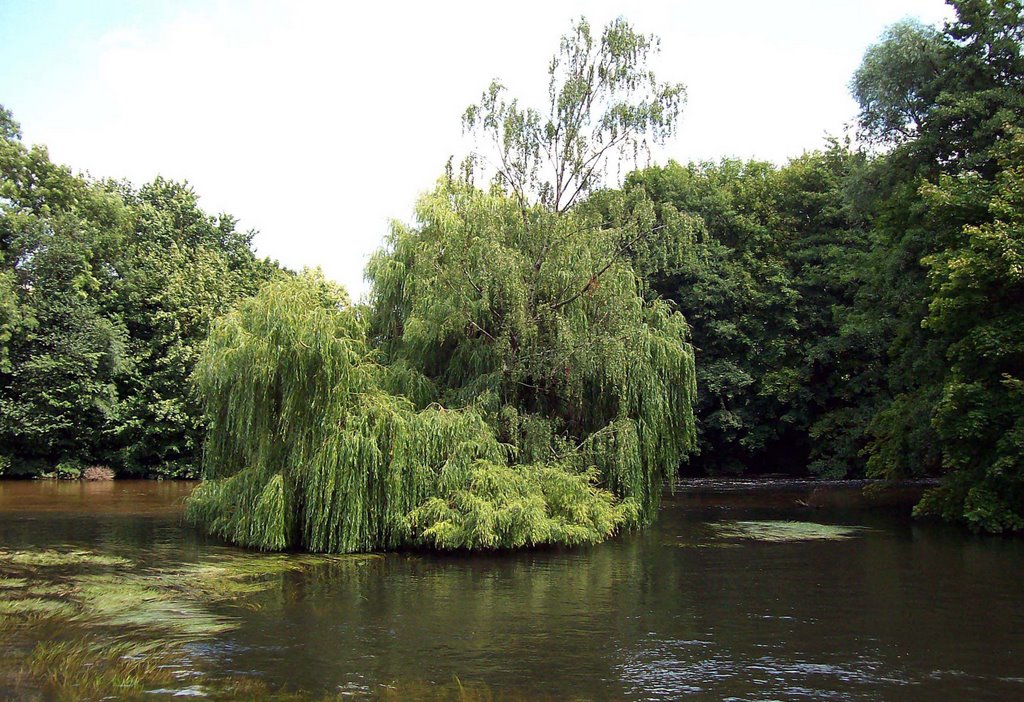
[[316, 123]]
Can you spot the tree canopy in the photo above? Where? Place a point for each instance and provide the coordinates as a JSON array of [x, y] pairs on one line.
[[106, 292], [510, 382], [604, 104], [538, 357]]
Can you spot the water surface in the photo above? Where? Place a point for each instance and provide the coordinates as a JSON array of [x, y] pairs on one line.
[[896, 610]]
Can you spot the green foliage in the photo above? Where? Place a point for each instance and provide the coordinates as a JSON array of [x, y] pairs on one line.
[[860, 315], [759, 286], [510, 383], [538, 319], [62, 354], [181, 269], [68, 470], [979, 291], [306, 449], [105, 295], [937, 404], [517, 506], [603, 101], [895, 81], [522, 374]]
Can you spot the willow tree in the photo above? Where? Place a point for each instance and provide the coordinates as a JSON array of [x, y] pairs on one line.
[[511, 382], [605, 106], [308, 449], [540, 323], [524, 304]]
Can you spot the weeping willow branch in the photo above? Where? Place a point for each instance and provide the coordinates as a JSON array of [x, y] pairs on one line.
[[604, 269], [307, 449]]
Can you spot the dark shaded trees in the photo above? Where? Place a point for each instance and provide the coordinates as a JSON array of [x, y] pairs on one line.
[[933, 192], [105, 294], [760, 289]]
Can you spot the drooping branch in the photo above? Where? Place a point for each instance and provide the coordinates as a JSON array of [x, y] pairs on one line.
[[604, 269]]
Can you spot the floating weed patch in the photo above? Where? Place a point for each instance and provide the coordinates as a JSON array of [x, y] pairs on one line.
[[84, 613], [90, 670], [34, 607], [137, 602], [55, 558], [783, 531], [700, 544], [234, 576]]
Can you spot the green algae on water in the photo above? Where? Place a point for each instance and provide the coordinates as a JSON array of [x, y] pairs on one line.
[[777, 531], [57, 558], [137, 602], [104, 592], [36, 607], [106, 627]]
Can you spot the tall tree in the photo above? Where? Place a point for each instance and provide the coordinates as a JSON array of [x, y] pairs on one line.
[[760, 287], [604, 104], [181, 269], [58, 394], [936, 184], [979, 306], [516, 386]]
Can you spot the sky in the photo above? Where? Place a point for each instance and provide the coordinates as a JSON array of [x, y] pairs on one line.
[[318, 123]]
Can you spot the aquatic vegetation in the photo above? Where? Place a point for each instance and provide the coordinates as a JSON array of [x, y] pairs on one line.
[[233, 577], [171, 603], [142, 602], [85, 669], [58, 558], [124, 629], [783, 531], [34, 607], [81, 625], [699, 544], [455, 691]]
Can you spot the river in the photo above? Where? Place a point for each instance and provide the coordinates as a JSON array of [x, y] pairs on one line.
[[737, 593]]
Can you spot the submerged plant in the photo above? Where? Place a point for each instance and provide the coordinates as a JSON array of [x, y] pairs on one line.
[[117, 629], [171, 604], [86, 669], [783, 531], [34, 607], [59, 558]]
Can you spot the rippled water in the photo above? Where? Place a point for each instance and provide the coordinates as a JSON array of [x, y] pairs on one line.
[[896, 610]]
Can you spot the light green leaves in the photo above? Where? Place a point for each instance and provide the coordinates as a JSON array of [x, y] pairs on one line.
[[603, 104]]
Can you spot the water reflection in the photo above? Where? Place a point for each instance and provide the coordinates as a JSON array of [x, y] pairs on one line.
[[898, 610]]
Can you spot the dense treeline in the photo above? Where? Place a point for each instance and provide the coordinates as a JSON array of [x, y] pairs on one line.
[[761, 288], [106, 293], [536, 359], [860, 313]]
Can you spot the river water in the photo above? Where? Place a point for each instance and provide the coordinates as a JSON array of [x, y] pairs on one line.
[[736, 593]]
